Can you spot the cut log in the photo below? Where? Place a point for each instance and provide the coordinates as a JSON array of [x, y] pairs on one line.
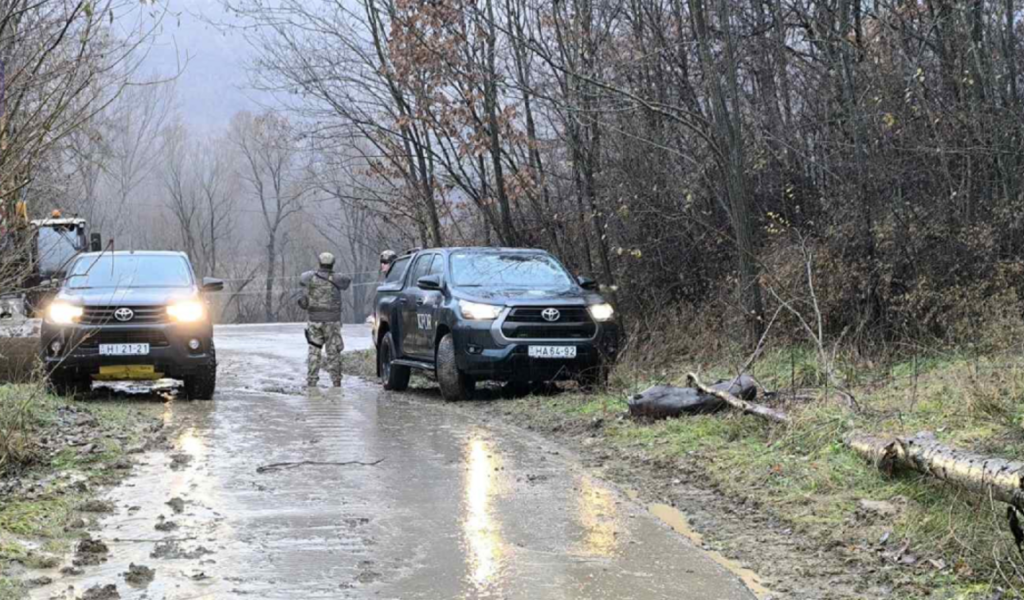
[[748, 407], [1001, 479], [667, 401]]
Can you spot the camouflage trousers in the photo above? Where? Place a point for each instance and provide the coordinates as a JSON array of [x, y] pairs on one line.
[[324, 338]]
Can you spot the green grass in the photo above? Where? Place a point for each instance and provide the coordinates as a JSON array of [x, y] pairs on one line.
[[361, 363], [23, 409], [33, 530], [10, 589]]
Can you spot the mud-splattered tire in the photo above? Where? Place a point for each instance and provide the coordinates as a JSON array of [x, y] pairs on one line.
[[455, 385], [394, 377], [202, 385]]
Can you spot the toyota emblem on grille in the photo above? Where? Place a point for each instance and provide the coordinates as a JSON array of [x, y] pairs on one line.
[[124, 314], [550, 314]]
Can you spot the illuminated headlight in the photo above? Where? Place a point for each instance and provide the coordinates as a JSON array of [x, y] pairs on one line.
[[601, 312], [62, 313], [187, 312], [479, 312]]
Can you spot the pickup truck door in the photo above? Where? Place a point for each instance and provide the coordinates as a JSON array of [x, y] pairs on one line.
[[411, 336], [428, 303]]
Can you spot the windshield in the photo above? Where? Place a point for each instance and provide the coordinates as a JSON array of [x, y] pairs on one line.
[[136, 271], [525, 271], [57, 247]]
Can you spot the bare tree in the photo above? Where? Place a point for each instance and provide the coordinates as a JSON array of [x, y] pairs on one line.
[[201, 193], [61, 65], [274, 177], [666, 145], [135, 143]]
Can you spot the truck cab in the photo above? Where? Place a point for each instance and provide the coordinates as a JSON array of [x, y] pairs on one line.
[[38, 254], [498, 314]]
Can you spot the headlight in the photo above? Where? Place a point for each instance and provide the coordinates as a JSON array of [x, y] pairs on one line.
[[63, 313], [479, 312], [187, 312], [601, 312]]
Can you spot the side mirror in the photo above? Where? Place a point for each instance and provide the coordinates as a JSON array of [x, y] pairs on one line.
[[587, 283], [429, 282], [212, 284], [95, 242]]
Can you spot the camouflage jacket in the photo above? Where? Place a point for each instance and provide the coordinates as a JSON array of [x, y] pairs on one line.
[[323, 294]]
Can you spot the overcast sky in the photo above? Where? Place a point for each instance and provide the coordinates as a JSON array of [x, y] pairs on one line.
[[214, 83]]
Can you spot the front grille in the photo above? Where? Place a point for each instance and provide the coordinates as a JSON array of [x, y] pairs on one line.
[[155, 339], [574, 323], [143, 315], [569, 314]]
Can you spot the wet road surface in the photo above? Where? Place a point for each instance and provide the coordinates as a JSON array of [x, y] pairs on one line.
[[455, 509]]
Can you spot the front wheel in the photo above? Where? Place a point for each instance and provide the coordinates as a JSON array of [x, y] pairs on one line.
[[69, 385], [393, 377], [455, 385], [201, 385]]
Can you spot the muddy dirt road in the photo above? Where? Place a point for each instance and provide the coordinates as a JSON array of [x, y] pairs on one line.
[[456, 508]]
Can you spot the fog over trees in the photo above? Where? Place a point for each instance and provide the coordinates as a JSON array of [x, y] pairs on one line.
[[846, 169]]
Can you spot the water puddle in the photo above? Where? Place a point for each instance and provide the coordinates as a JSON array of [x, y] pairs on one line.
[[679, 523]]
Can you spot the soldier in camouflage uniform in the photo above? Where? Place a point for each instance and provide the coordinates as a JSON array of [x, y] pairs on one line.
[[323, 331]]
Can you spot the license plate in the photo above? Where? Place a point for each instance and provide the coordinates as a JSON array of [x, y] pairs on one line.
[[552, 351], [124, 349]]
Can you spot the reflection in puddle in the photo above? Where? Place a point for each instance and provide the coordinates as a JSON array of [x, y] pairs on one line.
[[597, 516], [191, 443], [481, 529], [168, 416]]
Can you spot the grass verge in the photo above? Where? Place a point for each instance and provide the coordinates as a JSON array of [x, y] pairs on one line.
[[55, 454]]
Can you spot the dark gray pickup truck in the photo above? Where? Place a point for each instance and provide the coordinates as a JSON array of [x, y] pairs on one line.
[[129, 316], [501, 314]]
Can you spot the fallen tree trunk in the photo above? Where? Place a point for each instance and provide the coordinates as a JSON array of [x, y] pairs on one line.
[[668, 401], [748, 407], [1002, 479]]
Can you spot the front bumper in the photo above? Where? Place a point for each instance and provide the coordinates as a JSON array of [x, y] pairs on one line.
[[484, 354], [79, 354]]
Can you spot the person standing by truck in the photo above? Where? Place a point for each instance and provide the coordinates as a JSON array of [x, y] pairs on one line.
[[386, 258], [322, 302]]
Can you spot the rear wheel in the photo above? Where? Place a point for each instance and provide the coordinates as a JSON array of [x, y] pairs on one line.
[[201, 385], [393, 377], [455, 385]]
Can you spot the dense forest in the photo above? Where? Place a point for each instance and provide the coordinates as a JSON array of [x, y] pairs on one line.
[[848, 170], [855, 162]]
